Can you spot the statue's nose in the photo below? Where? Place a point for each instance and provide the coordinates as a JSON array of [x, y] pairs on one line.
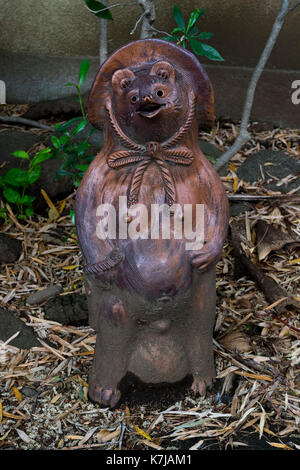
[[146, 98]]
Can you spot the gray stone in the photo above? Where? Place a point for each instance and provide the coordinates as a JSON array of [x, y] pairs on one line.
[[29, 391], [210, 150], [239, 208], [67, 310], [40, 296], [270, 166], [10, 324], [10, 248], [11, 141]]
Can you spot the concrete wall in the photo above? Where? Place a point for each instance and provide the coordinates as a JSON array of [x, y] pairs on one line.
[[43, 41]]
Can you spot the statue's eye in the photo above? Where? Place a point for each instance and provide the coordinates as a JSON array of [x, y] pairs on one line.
[[133, 99], [160, 93]]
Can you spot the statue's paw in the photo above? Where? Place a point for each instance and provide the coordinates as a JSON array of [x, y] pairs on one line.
[[200, 385], [104, 396]]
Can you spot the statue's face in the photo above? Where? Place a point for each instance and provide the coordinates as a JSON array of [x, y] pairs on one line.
[[149, 105]]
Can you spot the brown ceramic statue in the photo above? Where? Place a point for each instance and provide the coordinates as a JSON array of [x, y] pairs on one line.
[[151, 287]]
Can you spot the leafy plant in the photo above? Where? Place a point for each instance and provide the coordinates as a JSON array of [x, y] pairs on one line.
[[188, 34], [73, 153], [99, 9], [15, 182]]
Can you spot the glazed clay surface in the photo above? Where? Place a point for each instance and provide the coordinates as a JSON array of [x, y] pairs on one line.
[[151, 300]]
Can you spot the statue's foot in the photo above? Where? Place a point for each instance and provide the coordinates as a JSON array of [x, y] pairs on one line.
[[104, 396], [201, 384]]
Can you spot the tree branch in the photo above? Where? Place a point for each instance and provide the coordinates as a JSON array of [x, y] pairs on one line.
[[149, 16], [26, 122], [244, 136], [103, 39], [296, 4]]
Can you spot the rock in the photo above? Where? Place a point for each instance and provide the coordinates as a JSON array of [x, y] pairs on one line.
[[209, 149], [12, 140], [261, 126], [10, 248], [212, 153], [63, 108], [67, 310], [271, 167], [10, 324], [29, 391], [55, 187], [40, 296], [237, 208]]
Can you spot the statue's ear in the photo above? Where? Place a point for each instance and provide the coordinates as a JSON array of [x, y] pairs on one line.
[[122, 79], [164, 70]]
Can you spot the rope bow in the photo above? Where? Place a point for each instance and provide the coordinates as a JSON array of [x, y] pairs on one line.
[[155, 152]]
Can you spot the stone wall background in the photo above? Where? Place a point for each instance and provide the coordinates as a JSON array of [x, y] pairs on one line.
[[42, 43]]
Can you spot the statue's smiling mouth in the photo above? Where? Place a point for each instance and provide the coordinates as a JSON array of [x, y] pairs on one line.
[[150, 109]]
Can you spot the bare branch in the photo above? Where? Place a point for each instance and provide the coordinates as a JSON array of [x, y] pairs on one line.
[[110, 7], [296, 4], [137, 23], [161, 32], [26, 122], [244, 136], [272, 197], [103, 49], [149, 16]]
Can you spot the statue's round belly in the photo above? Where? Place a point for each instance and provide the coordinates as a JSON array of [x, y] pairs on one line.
[[158, 357]]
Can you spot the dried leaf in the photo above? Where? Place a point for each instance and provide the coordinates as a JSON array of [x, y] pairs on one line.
[[236, 341], [23, 435], [141, 432], [105, 435], [151, 444], [269, 238], [88, 435], [18, 394], [280, 446]]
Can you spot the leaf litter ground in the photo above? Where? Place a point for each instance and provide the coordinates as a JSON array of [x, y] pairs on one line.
[[255, 399]]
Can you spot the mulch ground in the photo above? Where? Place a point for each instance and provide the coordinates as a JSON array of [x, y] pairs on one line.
[[255, 400]]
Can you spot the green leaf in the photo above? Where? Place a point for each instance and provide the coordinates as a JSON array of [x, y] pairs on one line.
[[211, 53], [34, 173], [55, 142], [204, 36], [171, 38], [193, 31], [82, 167], [210, 158], [177, 31], [201, 48], [29, 211], [65, 125], [83, 70], [21, 154], [70, 84], [3, 213], [41, 156], [72, 216], [193, 18], [79, 127], [27, 200], [178, 17], [16, 177], [96, 8], [11, 195]]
